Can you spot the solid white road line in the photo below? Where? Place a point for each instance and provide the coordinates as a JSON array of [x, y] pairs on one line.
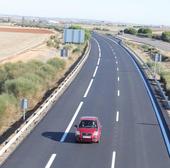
[[95, 71], [117, 116], [87, 91], [98, 62], [118, 79], [113, 159], [99, 52], [118, 93], [48, 165], [71, 122]]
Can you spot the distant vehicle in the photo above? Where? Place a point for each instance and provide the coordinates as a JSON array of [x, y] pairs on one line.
[[88, 130]]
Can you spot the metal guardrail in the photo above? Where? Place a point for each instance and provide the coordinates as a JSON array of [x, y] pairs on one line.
[[163, 93], [32, 121]]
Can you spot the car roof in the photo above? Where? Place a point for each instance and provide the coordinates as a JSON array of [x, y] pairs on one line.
[[88, 118]]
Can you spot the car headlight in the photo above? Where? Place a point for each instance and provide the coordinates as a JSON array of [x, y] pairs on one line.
[[95, 133], [77, 132]]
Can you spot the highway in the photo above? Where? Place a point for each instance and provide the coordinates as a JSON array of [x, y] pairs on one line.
[[108, 86]]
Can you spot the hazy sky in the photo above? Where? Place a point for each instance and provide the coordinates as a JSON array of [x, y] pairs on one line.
[[131, 11]]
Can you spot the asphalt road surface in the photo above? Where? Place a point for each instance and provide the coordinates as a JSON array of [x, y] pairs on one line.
[[110, 87], [153, 42]]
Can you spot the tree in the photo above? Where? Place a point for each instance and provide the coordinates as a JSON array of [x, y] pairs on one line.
[[165, 36], [130, 31]]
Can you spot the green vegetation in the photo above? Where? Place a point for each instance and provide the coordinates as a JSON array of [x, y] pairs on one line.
[[165, 36], [145, 32], [53, 42], [6, 101], [87, 32], [165, 78], [30, 80], [77, 50], [130, 31]]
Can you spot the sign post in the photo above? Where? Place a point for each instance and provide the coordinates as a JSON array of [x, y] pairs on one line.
[[24, 106]]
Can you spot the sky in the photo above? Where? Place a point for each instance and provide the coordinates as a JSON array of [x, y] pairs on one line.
[[152, 12]]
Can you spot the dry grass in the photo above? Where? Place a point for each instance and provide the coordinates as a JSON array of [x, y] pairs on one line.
[[14, 43], [12, 115], [146, 57]]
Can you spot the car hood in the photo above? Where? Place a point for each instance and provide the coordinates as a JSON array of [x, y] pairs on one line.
[[87, 130]]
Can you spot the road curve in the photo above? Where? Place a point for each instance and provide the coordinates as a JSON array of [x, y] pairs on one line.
[[110, 87]]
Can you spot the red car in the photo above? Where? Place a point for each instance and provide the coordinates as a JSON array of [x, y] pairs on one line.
[[88, 130]]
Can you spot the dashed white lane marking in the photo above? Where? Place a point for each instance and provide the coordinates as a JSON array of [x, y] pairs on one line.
[[95, 71], [71, 122], [87, 91], [117, 116], [116, 62], [117, 69], [118, 93], [98, 62], [98, 47], [118, 79], [113, 159], [51, 160]]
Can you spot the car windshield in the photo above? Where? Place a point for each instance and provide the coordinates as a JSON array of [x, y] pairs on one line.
[[88, 124]]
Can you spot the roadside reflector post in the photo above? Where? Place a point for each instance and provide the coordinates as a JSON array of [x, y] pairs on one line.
[[158, 59]]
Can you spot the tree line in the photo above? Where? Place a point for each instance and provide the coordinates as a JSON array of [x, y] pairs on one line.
[[146, 32]]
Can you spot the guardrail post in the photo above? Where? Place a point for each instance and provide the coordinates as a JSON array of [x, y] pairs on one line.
[[168, 104]]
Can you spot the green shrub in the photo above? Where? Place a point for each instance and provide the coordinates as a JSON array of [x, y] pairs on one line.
[[76, 50], [6, 100], [21, 87], [57, 63], [165, 36], [130, 31], [156, 36], [145, 32], [166, 78], [31, 79]]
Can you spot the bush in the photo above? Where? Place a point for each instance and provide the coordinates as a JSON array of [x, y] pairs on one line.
[[145, 32], [156, 36], [76, 50], [6, 100], [165, 36], [165, 77], [53, 42], [21, 87], [57, 63], [30, 80], [130, 31]]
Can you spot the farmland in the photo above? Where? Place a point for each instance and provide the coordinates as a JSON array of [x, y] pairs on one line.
[[32, 68], [14, 41]]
